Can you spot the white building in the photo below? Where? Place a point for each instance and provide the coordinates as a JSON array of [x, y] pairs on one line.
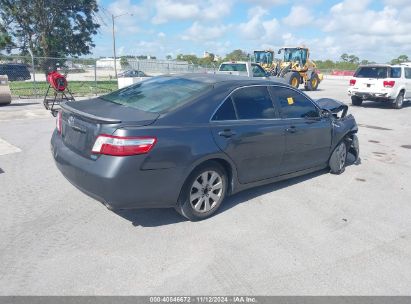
[[108, 63]]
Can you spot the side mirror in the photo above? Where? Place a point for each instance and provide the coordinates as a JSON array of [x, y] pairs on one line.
[[325, 114], [267, 74]]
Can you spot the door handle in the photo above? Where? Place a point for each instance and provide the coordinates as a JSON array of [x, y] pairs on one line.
[[227, 133], [291, 129]]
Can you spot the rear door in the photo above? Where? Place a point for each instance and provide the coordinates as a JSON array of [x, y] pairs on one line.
[[307, 135], [246, 127]]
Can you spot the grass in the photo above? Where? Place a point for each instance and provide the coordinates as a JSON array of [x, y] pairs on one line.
[[26, 89]]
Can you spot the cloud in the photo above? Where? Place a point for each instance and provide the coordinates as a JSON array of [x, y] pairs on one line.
[[198, 32], [170, 10], [257, 27], [299, 16]]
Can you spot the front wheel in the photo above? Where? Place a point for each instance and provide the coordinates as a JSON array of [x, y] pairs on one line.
[[203, 192], [293, 79], [312, 83], [338, 158]]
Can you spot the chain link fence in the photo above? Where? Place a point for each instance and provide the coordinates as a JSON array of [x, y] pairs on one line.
[[85, 77]]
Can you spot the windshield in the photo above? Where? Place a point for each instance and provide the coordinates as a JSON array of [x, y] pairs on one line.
[[158, 94], [263, 57], [371, 72], [299, 55], [236, 67]]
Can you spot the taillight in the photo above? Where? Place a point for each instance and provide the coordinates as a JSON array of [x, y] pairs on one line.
[[352, 82], [59, 122], [388, 83], [123, 146]]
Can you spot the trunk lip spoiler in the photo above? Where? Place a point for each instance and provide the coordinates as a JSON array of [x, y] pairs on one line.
[[88, 115]]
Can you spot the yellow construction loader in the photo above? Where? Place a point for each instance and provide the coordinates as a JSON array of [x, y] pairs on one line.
[[295, 67]]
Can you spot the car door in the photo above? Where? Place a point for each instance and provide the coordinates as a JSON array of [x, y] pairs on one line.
[[307, 135], [407, 74], [248, 129]]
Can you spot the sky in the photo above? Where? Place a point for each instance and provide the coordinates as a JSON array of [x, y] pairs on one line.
[[374, 30]]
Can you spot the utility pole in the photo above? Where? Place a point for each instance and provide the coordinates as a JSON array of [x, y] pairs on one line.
[[114, 48], [114, 41]]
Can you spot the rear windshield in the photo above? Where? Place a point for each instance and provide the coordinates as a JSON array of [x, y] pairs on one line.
[[378, 72], [158, 94], [236, 67]]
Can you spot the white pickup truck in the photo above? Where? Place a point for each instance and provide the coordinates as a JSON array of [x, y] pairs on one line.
[[243, 68], [382, 82]]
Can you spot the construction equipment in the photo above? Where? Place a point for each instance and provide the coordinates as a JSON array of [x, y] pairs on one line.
[[295, 67]]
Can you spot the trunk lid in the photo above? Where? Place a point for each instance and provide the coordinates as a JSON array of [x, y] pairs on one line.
[[83, 121]]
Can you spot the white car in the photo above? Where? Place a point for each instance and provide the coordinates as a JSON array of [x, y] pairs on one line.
[[382, 82], [243, 68]]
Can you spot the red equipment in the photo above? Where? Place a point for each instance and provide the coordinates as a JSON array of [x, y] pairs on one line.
[[57, 81], [62, 93]]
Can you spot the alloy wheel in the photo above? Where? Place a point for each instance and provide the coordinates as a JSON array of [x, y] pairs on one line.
[[206, 191]]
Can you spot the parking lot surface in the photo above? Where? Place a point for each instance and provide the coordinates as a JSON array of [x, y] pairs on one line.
[[319, 234]]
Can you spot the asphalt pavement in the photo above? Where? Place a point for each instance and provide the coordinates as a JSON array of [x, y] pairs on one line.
[[319, 234]]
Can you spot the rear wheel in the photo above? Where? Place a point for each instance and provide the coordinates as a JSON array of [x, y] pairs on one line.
[[338, 158], [203, 192], [312, 83], [293, 79], [399, 101], [356, 101]]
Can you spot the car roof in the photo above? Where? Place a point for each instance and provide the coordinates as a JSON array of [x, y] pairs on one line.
[[215, 79]]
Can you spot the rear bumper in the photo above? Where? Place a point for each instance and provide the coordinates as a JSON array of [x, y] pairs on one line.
[[118, 182], [382, 96]]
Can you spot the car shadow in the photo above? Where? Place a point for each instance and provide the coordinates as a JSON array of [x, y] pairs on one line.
[[168, 216], [21, 104], [382, 105]]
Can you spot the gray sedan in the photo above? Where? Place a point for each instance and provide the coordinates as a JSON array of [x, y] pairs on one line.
[[188, 141]]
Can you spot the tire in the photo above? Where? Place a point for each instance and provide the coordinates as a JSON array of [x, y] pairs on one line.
[[356, 101], [293, 79], [313, 82], [338, 158], [203, 192], [399, 101]]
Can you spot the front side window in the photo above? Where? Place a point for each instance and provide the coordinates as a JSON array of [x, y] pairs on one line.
[[258, 71], [294, 104], [158, 94], [253, 103]]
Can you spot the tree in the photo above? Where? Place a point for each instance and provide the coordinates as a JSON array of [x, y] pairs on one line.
[[169, 57], [353, 59], [344, 57], [124, 62], [237, 55], [50, 28], [400, 59]]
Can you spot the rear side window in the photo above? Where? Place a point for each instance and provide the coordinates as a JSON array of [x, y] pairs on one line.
[[407, 72], [395, 73], [372, 72], [226, 111], [253, 103], [158, 94], [294, 104]]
